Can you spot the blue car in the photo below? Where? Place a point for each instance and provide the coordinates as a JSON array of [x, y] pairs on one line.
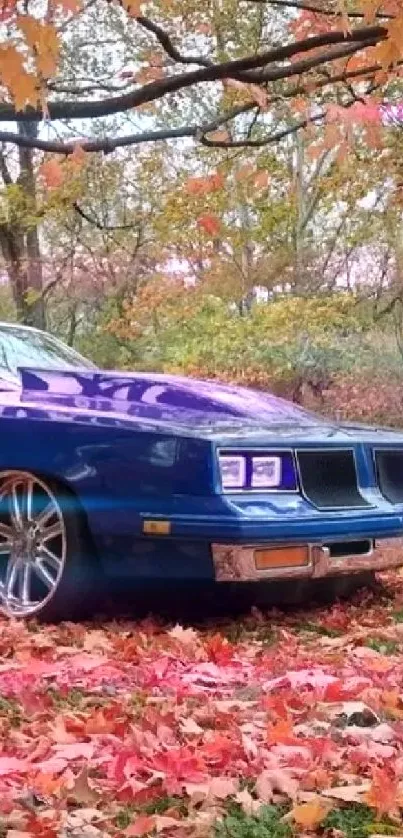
[[159, 477]]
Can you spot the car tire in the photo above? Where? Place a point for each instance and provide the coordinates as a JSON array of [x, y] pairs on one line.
[[47, 567]]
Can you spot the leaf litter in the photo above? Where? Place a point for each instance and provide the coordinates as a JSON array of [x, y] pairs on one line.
[[140, 728]]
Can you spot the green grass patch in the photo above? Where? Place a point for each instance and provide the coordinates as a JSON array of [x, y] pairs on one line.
[[10, 708], [267, 824], [358, 822], [159, 806], [384, 647], [317, 628]]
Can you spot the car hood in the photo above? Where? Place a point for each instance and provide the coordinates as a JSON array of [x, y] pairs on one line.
[[189, 405]]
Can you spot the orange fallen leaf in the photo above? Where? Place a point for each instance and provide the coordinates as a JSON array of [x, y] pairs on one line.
[[310, 815], [383, 793]]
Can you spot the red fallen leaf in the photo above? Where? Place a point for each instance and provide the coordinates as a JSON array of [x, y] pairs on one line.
[[180, 764], [219, 649], [100, 724], [143, 825], [210, 223]]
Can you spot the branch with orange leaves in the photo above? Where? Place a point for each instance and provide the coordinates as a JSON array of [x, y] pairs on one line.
[[199, 132], [265, 66]]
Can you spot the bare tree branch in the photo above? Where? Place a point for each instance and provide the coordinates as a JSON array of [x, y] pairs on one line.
[[109, 144], [267, 140], [168, 45], [300, 67], [98, 224]]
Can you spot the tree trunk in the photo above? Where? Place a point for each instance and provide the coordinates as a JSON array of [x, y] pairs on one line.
[[33, 304], [19, 239]]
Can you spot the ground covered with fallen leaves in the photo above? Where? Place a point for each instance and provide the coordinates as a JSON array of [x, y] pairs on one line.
[[274, 725]]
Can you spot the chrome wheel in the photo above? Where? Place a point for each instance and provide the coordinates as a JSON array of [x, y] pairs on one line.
[[32, 544]]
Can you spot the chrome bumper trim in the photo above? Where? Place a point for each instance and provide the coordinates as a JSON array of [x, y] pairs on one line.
[[235, 563]]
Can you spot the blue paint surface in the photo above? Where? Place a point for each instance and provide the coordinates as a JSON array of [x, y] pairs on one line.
[[135, 447]]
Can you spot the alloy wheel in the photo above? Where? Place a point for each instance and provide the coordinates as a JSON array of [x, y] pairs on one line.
[[32, 544]]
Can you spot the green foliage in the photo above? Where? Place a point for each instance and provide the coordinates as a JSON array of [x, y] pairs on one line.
[[358, 822], [293, 336], [267, 824]]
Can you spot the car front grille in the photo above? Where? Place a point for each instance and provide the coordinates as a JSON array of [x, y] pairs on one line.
[[389, 466], [329, 478]]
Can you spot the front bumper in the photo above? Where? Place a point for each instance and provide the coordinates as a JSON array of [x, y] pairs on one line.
[[236, 563]]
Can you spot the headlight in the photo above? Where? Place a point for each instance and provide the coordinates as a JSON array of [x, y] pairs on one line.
[[233, 472], [261, 470], [266, 472]]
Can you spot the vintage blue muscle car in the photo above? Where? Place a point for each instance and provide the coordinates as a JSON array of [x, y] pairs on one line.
[[170, 478]]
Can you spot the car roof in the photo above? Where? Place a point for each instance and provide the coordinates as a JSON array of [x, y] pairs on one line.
[[13, 325]]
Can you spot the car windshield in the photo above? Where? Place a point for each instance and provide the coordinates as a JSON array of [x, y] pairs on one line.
[[25, 348]]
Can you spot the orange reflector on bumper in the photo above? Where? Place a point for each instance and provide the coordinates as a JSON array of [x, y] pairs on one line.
[[273, 557], [156, 527]]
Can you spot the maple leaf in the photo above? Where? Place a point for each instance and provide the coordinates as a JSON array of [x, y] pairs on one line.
[[204, 185], [80, 790], [22, 85], [310, 815], [52, 173], [72, 6], [261, 179], [252, 91], [383, 793], [210, 223], [188, 636], [95, 639], [148, 74], [281, 731], [132, 7], [143, 825]]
